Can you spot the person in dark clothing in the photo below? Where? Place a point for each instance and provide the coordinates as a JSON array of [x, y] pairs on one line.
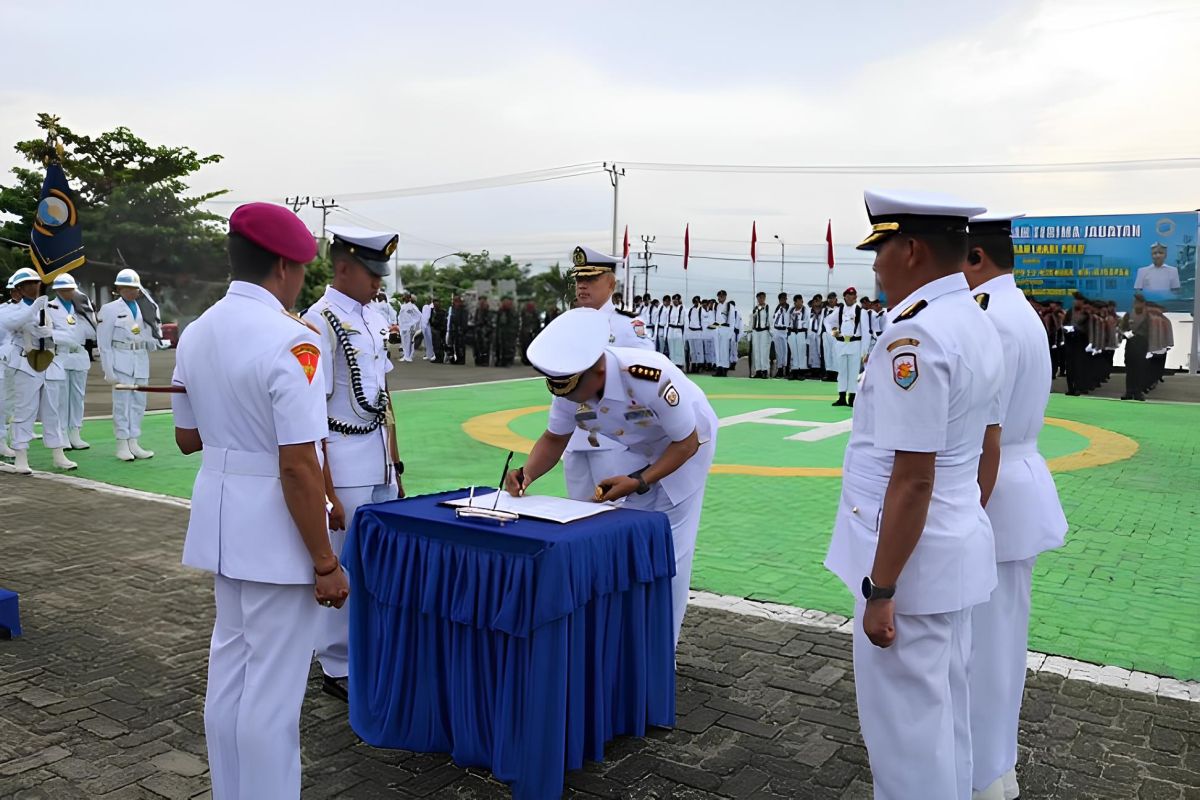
[[531, 325], [507, 325], [483, 325], [457, 325], [1135, 327], [437, 330]]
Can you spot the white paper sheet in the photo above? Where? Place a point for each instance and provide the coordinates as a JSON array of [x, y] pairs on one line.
[[551, 509]]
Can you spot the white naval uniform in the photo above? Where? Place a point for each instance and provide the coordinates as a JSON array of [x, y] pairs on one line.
[[660, 331], [427, 330], [639, 414], [760, 340], [676, 325], [848, 326], [816, 337], [359, 464], [723, 334], [586, 464], [408, 320], [797, 341], [913, 703], [708, 317], [6, 309], [248, 394], [780, 317], [1156, 280], [694, 335], [71, 332], [1027, 519], [124, 340], [33, 395], [735, 325]]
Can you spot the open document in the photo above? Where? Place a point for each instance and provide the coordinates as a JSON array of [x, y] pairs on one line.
[[551, 509]]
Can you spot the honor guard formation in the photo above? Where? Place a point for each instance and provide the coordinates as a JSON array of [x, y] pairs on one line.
[[945, 502]]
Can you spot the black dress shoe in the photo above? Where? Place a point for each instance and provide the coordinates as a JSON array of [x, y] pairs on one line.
[[336, 687]]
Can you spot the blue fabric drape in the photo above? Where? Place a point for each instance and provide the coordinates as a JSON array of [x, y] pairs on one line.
[[522, 648]]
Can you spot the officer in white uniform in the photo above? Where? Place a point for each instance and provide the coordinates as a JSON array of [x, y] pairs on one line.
[[125, 341], [1157, 280], [725, 340], [675, 331], [709, 315], [642, 400], [427, 329], [10, 306], [816, 336], [255, 405], [33, 394], [911, 538], [760, 338], [781, 316], [363, 462], [73, 327], [1024, 509], [409, 321], [590, 458], [797, 340], [850, 326], [661, 322], [694, 336]]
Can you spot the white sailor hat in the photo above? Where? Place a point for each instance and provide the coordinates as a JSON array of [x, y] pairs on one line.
[[993, 223], [23, 275], [128, 277], [569, 346], [588, 263], [373, 248], [64, 281], [916, 213]]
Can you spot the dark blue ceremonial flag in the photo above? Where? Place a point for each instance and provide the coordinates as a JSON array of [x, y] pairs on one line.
[[56, 239]]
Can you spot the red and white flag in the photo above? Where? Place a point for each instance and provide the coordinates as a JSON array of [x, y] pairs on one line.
[[753, 242], [687, 244], [625, 249], [829, 243]]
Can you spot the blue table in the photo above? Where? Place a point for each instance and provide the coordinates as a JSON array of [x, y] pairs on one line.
[[522, 648], [10, 616]]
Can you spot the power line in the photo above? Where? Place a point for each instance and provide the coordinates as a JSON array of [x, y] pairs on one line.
[[1150, 164]]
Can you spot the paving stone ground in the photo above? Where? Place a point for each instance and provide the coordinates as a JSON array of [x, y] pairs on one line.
[[102, 696]]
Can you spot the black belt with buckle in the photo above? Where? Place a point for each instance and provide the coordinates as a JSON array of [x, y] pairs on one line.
[[760, 330], [676, 327], [695, 329]]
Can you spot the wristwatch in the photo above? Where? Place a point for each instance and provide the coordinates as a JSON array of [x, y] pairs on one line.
[[643, 487], [872, 592]]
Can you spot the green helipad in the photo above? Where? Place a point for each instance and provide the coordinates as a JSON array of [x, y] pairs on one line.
[[1123, 591]]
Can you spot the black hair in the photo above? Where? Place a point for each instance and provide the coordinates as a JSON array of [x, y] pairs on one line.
[[248, 261], [949, 249], [997, 246]]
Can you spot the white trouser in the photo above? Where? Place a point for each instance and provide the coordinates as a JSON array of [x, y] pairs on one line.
[[724, 340], [35, 398], [913, 706], [332, 642], [584, 469], [661, 340], [797, 351], [8, 401], [827, 352], [814, 350], [710, 347], [406, 342], [695, 347], [685, 522], [70, 403], [427, 339], [128, 408], [847, 365], [760, 351], [257, 671], [780, 340], [675, 346], [999, 639]]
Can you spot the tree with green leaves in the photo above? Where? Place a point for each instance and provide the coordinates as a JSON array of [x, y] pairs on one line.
[[132, 199], [545, 287]]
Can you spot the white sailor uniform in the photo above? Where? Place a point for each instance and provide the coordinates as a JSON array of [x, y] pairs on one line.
[[72, 330], [781, 317], [253, 385], [760, 340], [125, 341], [675, 335], [648, 403], [33, 395], [1027, 519], [931, 385], [358, 447], [849, 328], [797, 341]]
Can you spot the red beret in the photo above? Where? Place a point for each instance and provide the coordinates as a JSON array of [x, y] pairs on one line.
[[275, 229], [849, 290]]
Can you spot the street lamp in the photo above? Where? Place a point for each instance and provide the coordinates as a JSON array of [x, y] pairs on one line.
[[781, 253]]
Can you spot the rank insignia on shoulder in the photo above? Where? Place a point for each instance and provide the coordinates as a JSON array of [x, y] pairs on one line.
[[983, 298], [308, 355], [903, 343], [912, 310], [671, 395], [904, 370], [645, 373]]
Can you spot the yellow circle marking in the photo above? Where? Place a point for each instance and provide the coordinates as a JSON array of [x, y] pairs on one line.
[[1104, 446]]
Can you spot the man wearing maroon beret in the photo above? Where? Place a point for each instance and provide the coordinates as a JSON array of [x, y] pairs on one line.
[[254, 406]]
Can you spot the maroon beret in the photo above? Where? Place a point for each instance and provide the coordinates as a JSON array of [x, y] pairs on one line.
[[275, 229]]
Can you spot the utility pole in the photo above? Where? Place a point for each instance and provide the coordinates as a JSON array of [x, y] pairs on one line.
[[297, 202], [615, 174], [324, 207], [646, 265]]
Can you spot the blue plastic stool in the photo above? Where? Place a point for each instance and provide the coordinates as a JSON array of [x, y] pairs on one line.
[[10, 617]]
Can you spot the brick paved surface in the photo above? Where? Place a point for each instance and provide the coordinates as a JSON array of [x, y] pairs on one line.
[[102, 696]]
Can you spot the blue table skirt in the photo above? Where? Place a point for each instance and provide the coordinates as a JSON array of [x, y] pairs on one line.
[[522, 649]]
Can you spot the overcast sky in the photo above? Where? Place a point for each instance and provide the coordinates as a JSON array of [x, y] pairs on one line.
[[340, 98]]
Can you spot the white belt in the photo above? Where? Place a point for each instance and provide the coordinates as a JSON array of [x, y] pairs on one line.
[[1019, 450], [240, 462], [130, 345]]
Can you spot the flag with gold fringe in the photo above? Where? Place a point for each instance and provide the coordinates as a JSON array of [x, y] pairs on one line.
[[56, 242]]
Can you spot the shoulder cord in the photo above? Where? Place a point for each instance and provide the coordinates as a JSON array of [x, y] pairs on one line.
[[378, 411]]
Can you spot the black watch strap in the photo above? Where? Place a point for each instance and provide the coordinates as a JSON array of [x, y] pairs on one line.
[[643, 487], [872, 592]]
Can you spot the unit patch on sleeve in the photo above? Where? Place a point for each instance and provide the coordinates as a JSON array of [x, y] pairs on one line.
[[308, 355], [904, 370]]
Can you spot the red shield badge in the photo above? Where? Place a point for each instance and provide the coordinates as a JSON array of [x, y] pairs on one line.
[[308, 355]]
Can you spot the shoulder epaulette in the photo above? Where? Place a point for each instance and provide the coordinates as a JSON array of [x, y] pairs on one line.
[[912, 311], [305, 323], [983, 298], [645, 373], [625, 313]]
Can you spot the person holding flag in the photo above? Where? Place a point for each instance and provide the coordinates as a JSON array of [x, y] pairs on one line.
[[74, 324]]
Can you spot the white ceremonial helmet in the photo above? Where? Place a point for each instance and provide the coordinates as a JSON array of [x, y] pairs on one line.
[[64, 281], [128, 277], [23, 275]]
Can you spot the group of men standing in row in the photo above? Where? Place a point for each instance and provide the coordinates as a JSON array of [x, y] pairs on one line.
[[45, 358]]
